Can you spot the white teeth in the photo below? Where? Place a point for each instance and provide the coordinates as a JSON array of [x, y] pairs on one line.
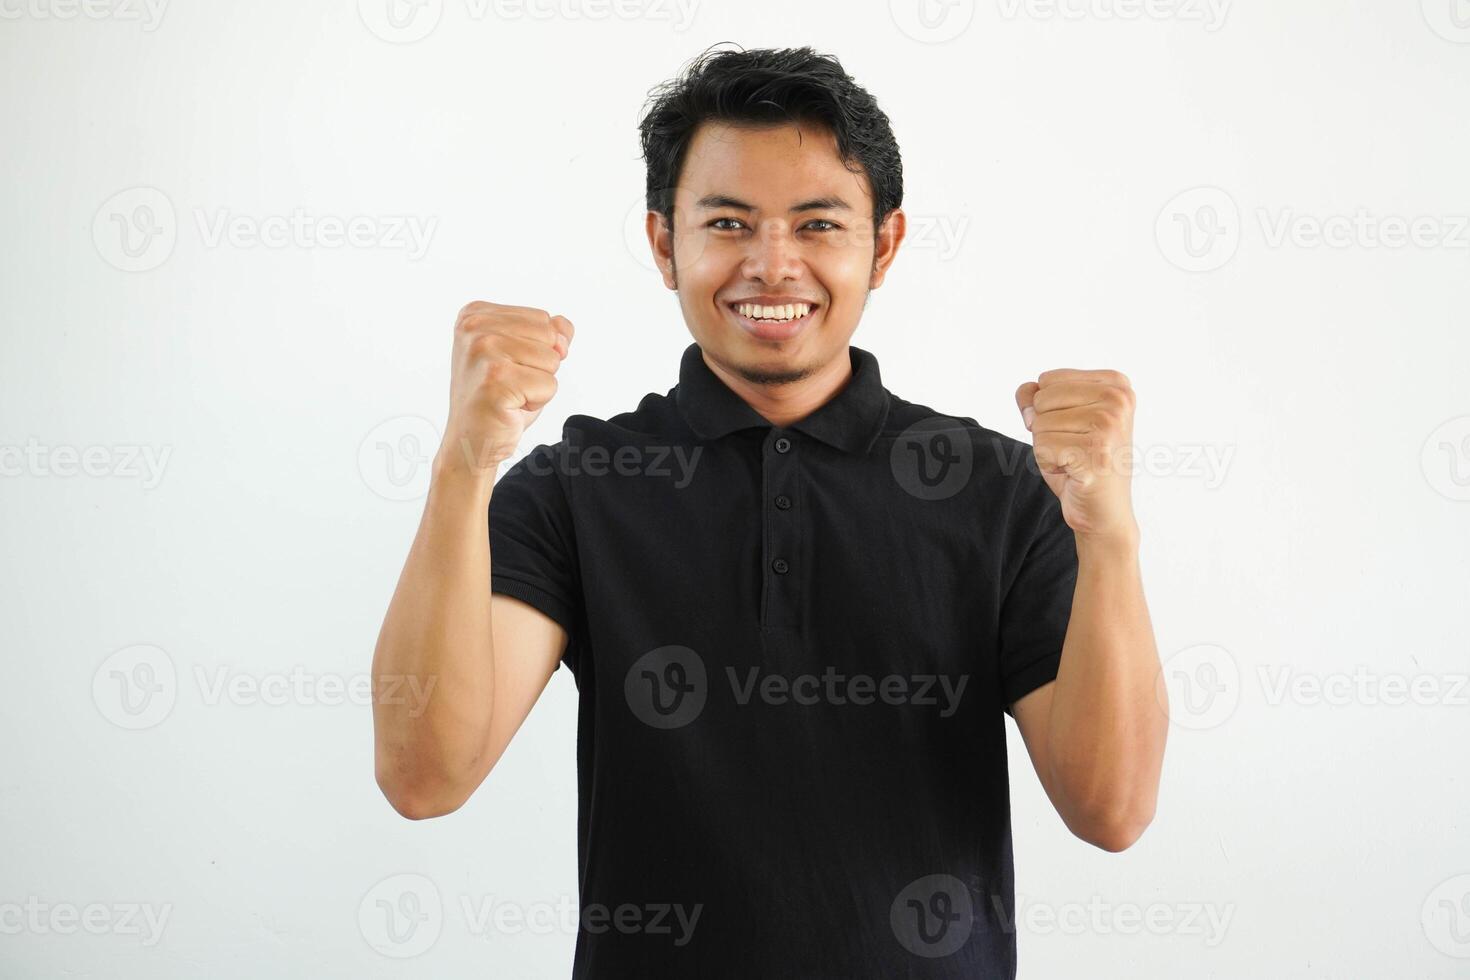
[[788, 311]]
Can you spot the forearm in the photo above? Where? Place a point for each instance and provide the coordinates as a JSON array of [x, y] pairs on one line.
[[1107, 727], [437, 632]]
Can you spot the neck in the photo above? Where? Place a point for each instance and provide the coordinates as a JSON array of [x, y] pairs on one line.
[[784, 402]]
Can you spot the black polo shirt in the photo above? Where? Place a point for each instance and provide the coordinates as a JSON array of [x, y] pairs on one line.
[[793, 647]]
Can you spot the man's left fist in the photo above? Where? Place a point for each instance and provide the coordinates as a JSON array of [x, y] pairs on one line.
[[1081, 425]]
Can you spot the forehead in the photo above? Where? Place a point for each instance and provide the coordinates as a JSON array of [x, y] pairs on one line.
[[769, 166]]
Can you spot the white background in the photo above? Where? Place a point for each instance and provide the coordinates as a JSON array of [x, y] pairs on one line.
[[1324, 833]]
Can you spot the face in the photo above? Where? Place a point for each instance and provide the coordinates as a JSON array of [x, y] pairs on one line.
[[770, 215]]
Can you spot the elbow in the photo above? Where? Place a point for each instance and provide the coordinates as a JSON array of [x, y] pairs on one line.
[[419, 801], [1114, 830]]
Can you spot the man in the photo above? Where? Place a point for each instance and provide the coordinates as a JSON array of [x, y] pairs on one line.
[[797, 607]]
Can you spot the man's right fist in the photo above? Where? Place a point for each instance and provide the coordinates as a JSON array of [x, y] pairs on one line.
[[503, 372]]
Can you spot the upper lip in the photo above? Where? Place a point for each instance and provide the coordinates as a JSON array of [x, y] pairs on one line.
[[772, 301]]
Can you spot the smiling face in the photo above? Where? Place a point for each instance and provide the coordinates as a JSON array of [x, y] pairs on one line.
[[769, 215]]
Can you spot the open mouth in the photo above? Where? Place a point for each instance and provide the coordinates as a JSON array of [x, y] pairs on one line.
[[773, 322]]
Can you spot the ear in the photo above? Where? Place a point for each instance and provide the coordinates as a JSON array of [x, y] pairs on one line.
[[885, 245], [661, 243]]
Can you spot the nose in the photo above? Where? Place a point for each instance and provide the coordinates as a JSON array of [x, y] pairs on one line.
[[773, 254]]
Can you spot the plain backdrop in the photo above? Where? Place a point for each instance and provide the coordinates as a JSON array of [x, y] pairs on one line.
[[233, 238]]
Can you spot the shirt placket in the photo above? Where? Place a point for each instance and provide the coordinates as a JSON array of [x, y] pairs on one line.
[[781, 519]]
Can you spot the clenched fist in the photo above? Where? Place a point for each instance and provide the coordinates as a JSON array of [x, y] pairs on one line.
[[1081, 425], [503, 372]]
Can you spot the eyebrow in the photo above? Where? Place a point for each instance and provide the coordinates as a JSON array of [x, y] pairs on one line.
[[711, 202]]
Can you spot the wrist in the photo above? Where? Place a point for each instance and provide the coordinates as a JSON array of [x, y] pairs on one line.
[[459, 473], [1110, 545]]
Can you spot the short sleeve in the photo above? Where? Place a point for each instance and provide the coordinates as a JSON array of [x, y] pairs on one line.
[[532, 545], [1037, 605]]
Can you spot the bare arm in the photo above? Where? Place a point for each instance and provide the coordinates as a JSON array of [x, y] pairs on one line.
[[1096, 734], [480, 660]]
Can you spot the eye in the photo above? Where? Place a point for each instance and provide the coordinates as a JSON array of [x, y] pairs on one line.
[[715, 223], [823, 221]]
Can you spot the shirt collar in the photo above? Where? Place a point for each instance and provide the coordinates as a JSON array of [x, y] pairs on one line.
[[851, 420]]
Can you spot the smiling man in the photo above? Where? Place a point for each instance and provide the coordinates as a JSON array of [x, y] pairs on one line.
[[793, 655]]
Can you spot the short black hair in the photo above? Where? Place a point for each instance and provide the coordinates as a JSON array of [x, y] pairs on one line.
[[768, 86]]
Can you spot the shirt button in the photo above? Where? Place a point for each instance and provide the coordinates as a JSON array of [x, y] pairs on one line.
[[783, 502], [783, 445], [780, 567]]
